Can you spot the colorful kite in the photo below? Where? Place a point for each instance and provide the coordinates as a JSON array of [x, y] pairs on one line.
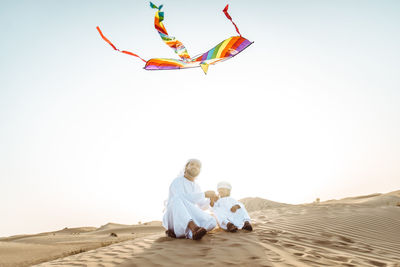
[[221, 52]]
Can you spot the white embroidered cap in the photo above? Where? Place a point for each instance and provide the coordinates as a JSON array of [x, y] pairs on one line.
[[224, 185]]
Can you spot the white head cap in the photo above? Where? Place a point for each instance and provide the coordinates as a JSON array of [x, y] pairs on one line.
[[224, 185]]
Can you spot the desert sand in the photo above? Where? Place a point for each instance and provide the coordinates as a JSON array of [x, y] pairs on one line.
[[355, 231]]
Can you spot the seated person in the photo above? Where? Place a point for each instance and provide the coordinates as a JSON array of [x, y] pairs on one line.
[[231, 215], [185, 215]]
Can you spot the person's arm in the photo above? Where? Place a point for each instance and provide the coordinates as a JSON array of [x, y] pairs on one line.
[[209, 198], [204, 203], [177, 189], [235, 208], [235, 205]]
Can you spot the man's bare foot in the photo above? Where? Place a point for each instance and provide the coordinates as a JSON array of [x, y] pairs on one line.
[[170, 233], [247, 226], [197, 232], [231, 227]]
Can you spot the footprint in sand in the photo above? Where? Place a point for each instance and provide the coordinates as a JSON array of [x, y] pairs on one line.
[[346, 239], [377, 263], [298, 254]]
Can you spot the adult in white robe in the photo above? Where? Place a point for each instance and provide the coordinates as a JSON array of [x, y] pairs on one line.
[[186, 205]]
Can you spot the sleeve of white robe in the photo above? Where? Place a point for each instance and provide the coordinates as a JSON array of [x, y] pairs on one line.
[[195, 197], [203, 203], [235, 202], [243, 211]]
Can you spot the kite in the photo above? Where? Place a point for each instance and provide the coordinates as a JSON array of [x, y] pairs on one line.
[[226, 49]]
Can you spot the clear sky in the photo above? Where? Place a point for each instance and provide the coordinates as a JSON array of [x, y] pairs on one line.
[[311, 109]]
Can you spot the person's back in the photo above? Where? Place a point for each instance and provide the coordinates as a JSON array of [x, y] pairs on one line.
[[230, 213]]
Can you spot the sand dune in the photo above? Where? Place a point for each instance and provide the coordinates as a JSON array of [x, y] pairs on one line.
[[26, 250], [357, 231], [256, 203], [388, 199]]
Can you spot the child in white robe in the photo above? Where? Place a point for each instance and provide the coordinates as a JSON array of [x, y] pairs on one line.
[[231, 215]]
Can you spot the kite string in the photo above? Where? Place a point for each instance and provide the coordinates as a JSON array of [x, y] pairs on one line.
[[113, 46], [230, 18]]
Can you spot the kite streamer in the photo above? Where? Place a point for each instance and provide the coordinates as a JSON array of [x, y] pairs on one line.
[[224, 50], [176, 45], [113, 46], [230, 18]]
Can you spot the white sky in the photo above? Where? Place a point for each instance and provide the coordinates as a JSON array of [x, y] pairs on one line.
[[87, 136]]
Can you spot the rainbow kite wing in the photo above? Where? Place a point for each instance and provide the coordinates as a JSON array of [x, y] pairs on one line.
[[221, 52], [164, 64], [226, 49]]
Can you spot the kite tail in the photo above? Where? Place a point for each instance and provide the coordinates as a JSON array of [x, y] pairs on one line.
[[113, 46], [176, 45], [230, 18]]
